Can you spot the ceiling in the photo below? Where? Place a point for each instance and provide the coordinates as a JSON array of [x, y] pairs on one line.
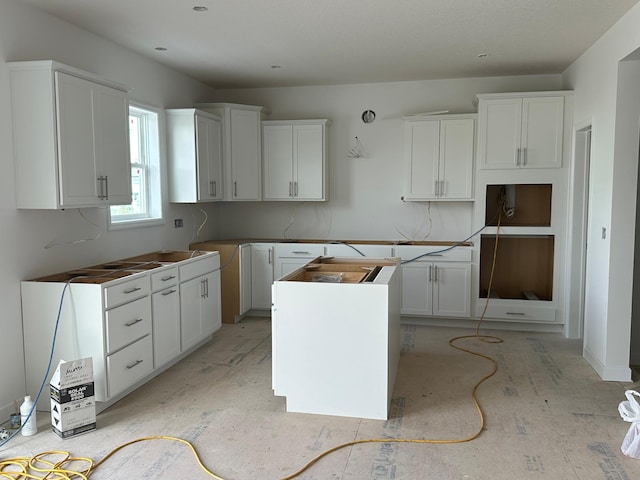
[[268, 43]]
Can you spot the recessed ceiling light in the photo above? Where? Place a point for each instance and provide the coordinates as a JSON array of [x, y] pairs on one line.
[[161, 49], [199, 8]]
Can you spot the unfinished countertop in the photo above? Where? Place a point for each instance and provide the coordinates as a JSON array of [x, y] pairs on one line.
[[236, 241]]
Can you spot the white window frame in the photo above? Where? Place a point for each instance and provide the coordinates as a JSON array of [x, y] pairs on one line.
[[153, 120]]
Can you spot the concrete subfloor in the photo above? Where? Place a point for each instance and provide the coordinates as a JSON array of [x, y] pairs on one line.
[[548, 415]]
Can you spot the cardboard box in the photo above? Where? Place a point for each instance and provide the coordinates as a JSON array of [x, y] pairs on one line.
[[73, 404]]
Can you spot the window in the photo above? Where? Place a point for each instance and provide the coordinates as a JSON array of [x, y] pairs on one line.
[[144, 141]]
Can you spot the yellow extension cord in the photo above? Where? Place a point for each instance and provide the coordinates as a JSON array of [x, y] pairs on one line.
[[45, 466]]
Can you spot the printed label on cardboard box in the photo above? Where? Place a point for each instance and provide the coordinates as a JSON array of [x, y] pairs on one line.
[[73, 407]]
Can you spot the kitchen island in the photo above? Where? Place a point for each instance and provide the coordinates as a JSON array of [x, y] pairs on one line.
[[336, 336]]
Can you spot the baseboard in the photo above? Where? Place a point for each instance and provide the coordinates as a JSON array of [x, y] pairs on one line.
[[7, 410], [609, 374], [486, 324]]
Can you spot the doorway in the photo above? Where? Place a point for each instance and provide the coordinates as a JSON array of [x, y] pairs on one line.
[[580, 226]]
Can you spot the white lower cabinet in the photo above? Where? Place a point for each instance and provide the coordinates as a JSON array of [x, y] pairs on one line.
[[290, 256], [336, 346], [261, 275], [127, 316], [165, 311], [346, 249], [200, 312], [435, 285], [246, 267]]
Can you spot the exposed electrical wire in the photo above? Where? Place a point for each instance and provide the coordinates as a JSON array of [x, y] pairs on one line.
[[426, 235], [29, 465], [452, 343], [415, 234], [80, 240], [293, 219], [204, 221], [46, 374], [456, 244], [348, 245]]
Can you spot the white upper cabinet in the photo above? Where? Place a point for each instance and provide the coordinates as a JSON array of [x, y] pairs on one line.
[[241, 143], [439, 156], [71, 138], [295, 160], [194, 142], [516, 131]]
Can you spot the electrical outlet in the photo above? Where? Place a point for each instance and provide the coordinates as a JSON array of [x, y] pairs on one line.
[[177, 223]]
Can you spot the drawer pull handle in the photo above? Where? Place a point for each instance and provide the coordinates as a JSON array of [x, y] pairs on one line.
[[131, 323], [166, 279], [134, 289], [516, 313], [169, 292], [134, 364], [299, 252]]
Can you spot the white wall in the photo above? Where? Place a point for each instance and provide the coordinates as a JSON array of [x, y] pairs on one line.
[[594, 78], [364, 193], [27, 34]]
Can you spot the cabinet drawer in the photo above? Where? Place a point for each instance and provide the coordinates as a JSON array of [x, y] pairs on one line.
[[164, 278], [299, 250], [517, 311], [127, 323], [201, 266], [456, 254], [358, 250], [126, 291], [129, 365]]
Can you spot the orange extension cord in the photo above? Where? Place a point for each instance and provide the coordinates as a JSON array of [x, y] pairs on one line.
[[57, 465]]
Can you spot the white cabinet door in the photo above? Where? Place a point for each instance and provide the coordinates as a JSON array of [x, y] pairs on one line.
[[111, 117], [200, 314], [416, 289], [166, 325], [242, 149], [521, 132], [422, 148], [451, 284], [211, 315], [294, 157], [245, 155], [308, 162], [542, 132], [79, 184], [439, 157], [261, 275], [455, 166], [246, 277], [194, 144], [191, 294], [209, 155], [278, 161], [93, 143], [499, 129]]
